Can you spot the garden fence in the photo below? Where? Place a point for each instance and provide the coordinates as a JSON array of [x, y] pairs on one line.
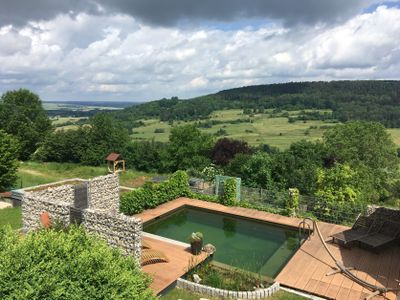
[[274, 201]]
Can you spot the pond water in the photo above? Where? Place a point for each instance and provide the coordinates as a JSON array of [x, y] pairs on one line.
[[246, 244]]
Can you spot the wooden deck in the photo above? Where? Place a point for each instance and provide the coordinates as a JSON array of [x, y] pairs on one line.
[[166, 273], [307, 268]]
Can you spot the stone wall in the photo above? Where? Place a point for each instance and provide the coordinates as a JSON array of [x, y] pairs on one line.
[[101, 218], [34, 205], [103, 193], [59, 194], [117, 229], [226, 294]]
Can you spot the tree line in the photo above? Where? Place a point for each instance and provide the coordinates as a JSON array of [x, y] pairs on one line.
[[369, 100]]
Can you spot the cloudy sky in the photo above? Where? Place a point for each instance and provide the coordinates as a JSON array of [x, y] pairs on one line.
[[141, 50]]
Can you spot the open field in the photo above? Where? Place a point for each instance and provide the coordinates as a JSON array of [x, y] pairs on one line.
[[57, 121], [33, 173], [261, 128]]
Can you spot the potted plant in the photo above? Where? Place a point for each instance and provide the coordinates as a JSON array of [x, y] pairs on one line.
[[196, 242]]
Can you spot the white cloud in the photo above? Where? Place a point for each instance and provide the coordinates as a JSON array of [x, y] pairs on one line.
[[116, 57], [199, 82]]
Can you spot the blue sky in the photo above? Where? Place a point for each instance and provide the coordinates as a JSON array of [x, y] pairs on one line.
[[145, 50]]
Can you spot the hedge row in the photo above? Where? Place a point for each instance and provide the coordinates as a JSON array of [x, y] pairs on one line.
[[151, 195]]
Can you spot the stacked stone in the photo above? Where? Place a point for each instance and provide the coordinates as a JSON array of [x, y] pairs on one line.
[[62, 194], [116, 229], [226, 294], [103, 193], [33, 206], [101, 218]]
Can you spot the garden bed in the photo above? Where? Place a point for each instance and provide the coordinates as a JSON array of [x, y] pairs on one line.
[[221, 276]]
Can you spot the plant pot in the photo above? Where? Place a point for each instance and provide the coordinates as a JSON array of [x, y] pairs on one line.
[[196, 247]]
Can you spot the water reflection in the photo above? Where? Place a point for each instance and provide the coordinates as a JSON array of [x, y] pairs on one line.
[[229, 227]]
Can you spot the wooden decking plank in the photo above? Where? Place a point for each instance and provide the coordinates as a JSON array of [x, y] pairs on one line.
[[343, 293], [321, 256], [165, 273], [311, 286], [314, 264], [306, 269], [321, 288], [354, 295], [332, 291]]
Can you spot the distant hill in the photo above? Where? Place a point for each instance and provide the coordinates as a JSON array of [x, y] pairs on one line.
[[374, 100], [82, 108]]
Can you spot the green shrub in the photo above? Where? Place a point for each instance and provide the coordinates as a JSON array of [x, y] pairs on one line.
[[151, 195], [204, 197], [69, 264], [228, 196], [292, 202], [133, 202]]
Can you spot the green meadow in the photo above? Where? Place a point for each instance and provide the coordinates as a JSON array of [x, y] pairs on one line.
[[266, 128]]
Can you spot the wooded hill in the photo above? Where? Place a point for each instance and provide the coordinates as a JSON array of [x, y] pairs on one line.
[[372, 100]]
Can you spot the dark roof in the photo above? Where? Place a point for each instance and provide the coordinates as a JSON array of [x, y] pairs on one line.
[[113, 156], [5, 194]]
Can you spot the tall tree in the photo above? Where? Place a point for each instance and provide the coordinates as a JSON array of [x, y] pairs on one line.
[[22, 115], [8, 160], [145, 155], [338, 190], [368, 149], [105, 135], [188, 148], [298, 165], [254, 170], [225, 149], [64, 146]]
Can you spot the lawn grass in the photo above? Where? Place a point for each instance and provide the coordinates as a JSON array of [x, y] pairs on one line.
[[176, 294], [11, 216], [34, 173]]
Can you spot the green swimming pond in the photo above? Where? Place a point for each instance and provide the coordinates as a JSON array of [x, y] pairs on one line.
[[250, 245]]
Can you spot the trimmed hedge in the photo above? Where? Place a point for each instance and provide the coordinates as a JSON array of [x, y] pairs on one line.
[[151, 195], [228, 197], [67, 264]]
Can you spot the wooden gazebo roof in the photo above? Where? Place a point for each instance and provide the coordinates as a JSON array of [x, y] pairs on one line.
[[113, 157]]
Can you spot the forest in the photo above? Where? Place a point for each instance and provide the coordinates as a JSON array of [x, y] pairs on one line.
[[369, 100]]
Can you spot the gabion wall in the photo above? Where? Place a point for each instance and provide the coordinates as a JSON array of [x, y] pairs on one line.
[[117, 229], [101, 218], [103, 192], [33, 206]]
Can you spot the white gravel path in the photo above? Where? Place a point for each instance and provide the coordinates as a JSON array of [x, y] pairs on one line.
[[4, 205]]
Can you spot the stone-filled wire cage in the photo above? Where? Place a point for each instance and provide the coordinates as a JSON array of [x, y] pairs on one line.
[[94, 204]]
